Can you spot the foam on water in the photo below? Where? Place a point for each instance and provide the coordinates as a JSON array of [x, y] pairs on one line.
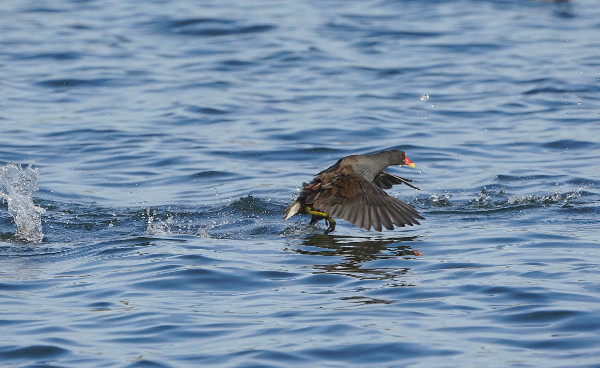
[[17, 185]]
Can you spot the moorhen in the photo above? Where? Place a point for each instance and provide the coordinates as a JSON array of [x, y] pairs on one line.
[[352, 189]]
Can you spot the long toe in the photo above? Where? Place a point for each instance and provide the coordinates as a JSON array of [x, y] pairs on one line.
[[331, 226]]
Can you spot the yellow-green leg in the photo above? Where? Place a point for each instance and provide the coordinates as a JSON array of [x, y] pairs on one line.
[[330, 221]]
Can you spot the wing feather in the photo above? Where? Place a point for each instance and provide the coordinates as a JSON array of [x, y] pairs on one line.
[[350, 197], [385, 180], [375, 221]]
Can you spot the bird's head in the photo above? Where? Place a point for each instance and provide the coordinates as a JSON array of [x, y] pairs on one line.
[[401, 159]]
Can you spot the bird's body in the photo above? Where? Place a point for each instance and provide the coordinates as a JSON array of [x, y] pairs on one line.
[[352, 189]]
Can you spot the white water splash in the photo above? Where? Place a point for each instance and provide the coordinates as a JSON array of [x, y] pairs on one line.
[[17, 185], [160, 227], [557, 197], [157, 226], [440, 200]]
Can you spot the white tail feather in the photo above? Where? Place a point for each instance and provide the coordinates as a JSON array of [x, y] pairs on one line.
[[292, 209]]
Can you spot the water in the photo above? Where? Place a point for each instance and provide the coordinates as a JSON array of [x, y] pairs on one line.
[[168, 137], [18, 186]]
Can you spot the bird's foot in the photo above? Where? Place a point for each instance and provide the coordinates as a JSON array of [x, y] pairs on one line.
[[330, 221]]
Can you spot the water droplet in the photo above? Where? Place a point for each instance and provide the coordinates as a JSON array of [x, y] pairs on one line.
[[424, 97]]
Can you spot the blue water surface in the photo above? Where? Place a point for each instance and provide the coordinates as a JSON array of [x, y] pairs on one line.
[[170, 135]]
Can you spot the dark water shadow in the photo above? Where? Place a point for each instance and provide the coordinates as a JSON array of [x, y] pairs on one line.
[[363, 258]]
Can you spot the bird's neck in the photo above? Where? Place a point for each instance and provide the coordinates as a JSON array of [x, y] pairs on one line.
[[370, 166]]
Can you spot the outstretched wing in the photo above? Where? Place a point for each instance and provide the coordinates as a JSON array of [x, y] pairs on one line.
[[385, 180], [350, 197]]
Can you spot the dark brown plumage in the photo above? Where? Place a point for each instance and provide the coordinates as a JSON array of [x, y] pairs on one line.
[[352, 189]]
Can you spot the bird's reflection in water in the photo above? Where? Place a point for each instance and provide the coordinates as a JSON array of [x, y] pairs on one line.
[[355, 252]]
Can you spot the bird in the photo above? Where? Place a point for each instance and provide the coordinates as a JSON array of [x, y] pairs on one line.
[[353, 189]]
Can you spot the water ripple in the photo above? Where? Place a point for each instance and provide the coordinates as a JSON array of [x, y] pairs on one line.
[[170, 136], [210, 27]]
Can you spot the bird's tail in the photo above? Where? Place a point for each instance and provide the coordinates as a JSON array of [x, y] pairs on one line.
[[291, 210]]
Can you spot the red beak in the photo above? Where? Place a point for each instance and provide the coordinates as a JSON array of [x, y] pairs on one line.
[[408, 162]]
